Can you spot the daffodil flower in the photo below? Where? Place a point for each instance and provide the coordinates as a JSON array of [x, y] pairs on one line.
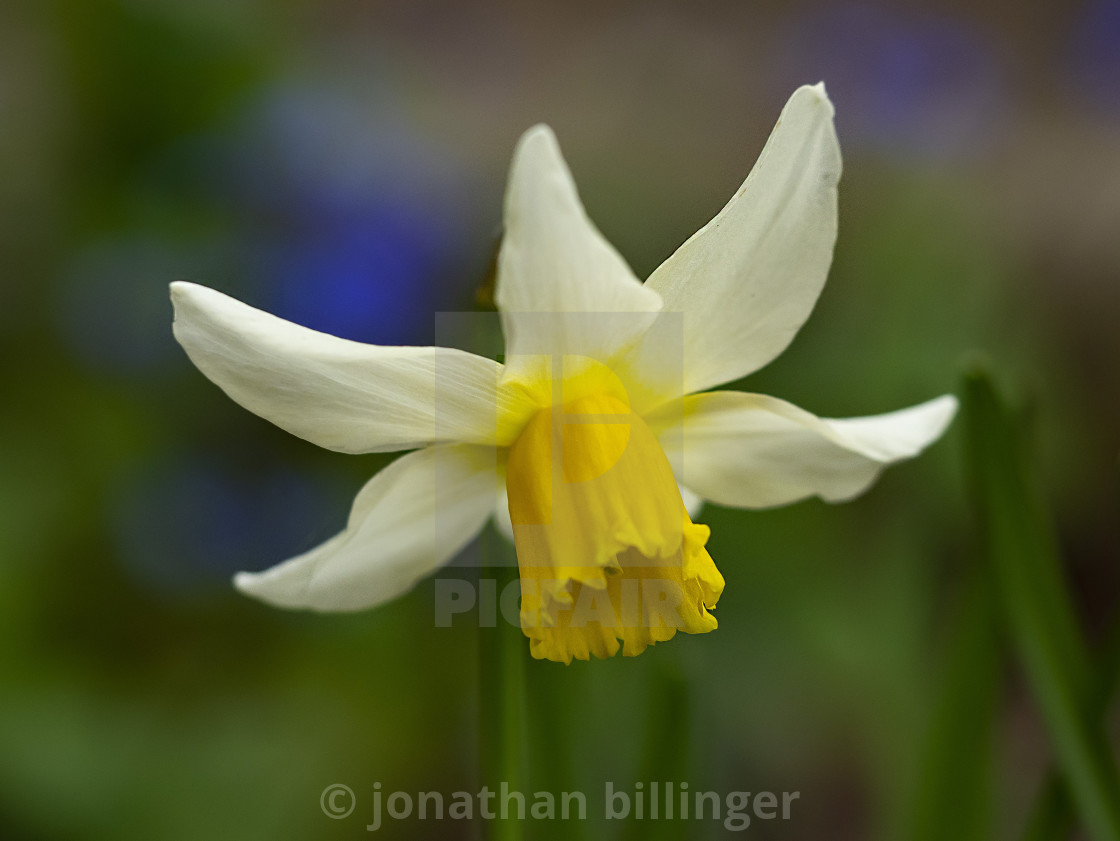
[[594, 440]]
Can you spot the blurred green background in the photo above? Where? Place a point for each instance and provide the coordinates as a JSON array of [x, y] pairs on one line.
[[341, 164]]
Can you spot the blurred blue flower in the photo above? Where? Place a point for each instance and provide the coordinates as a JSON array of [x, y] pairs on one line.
[[308, 205], [359, 224], [927, 86], [187, 525], [365, 273], [1095, 52]]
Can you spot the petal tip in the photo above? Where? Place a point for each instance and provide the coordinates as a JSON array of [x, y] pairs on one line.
[[814, 95], [928, 422], [185, 294], [944, 408], [179, 290], [538, 139], [245, 582], [543, 130], [275, 587], [537, 160], [190, 303]]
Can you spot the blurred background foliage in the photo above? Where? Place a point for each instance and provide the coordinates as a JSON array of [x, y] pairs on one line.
[[342, 164]]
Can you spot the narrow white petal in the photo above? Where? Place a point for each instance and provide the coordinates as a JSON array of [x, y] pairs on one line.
[[339, 394], [562, 288], [754, 451], [748, 280], [410, 519]]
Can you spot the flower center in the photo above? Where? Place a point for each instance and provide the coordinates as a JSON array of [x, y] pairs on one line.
[[606, 550]]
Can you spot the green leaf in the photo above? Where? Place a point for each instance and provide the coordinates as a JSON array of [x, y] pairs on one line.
[[1052, 816], [1022, 554]]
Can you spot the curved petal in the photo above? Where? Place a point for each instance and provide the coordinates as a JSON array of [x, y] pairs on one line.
[[409, 519], [748, 280], [754, 451], [338, 394], [559, 279]]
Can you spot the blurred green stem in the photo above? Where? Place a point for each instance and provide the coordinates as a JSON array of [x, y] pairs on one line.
[[665, 753], [957, 757], [550, 688], [501, 666], [1052, 816], [1039, 615]]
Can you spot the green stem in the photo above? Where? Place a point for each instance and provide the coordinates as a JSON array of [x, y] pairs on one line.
[[1052, 816], [550, 688], [665, 753], [958, 756], [1039, 615], [501, 674]]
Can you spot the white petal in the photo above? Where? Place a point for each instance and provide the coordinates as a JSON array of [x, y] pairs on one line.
[[561, 286], [748, 280], [410, 519], [336, 393], [754, 451], [693, 502], [501, 514]]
